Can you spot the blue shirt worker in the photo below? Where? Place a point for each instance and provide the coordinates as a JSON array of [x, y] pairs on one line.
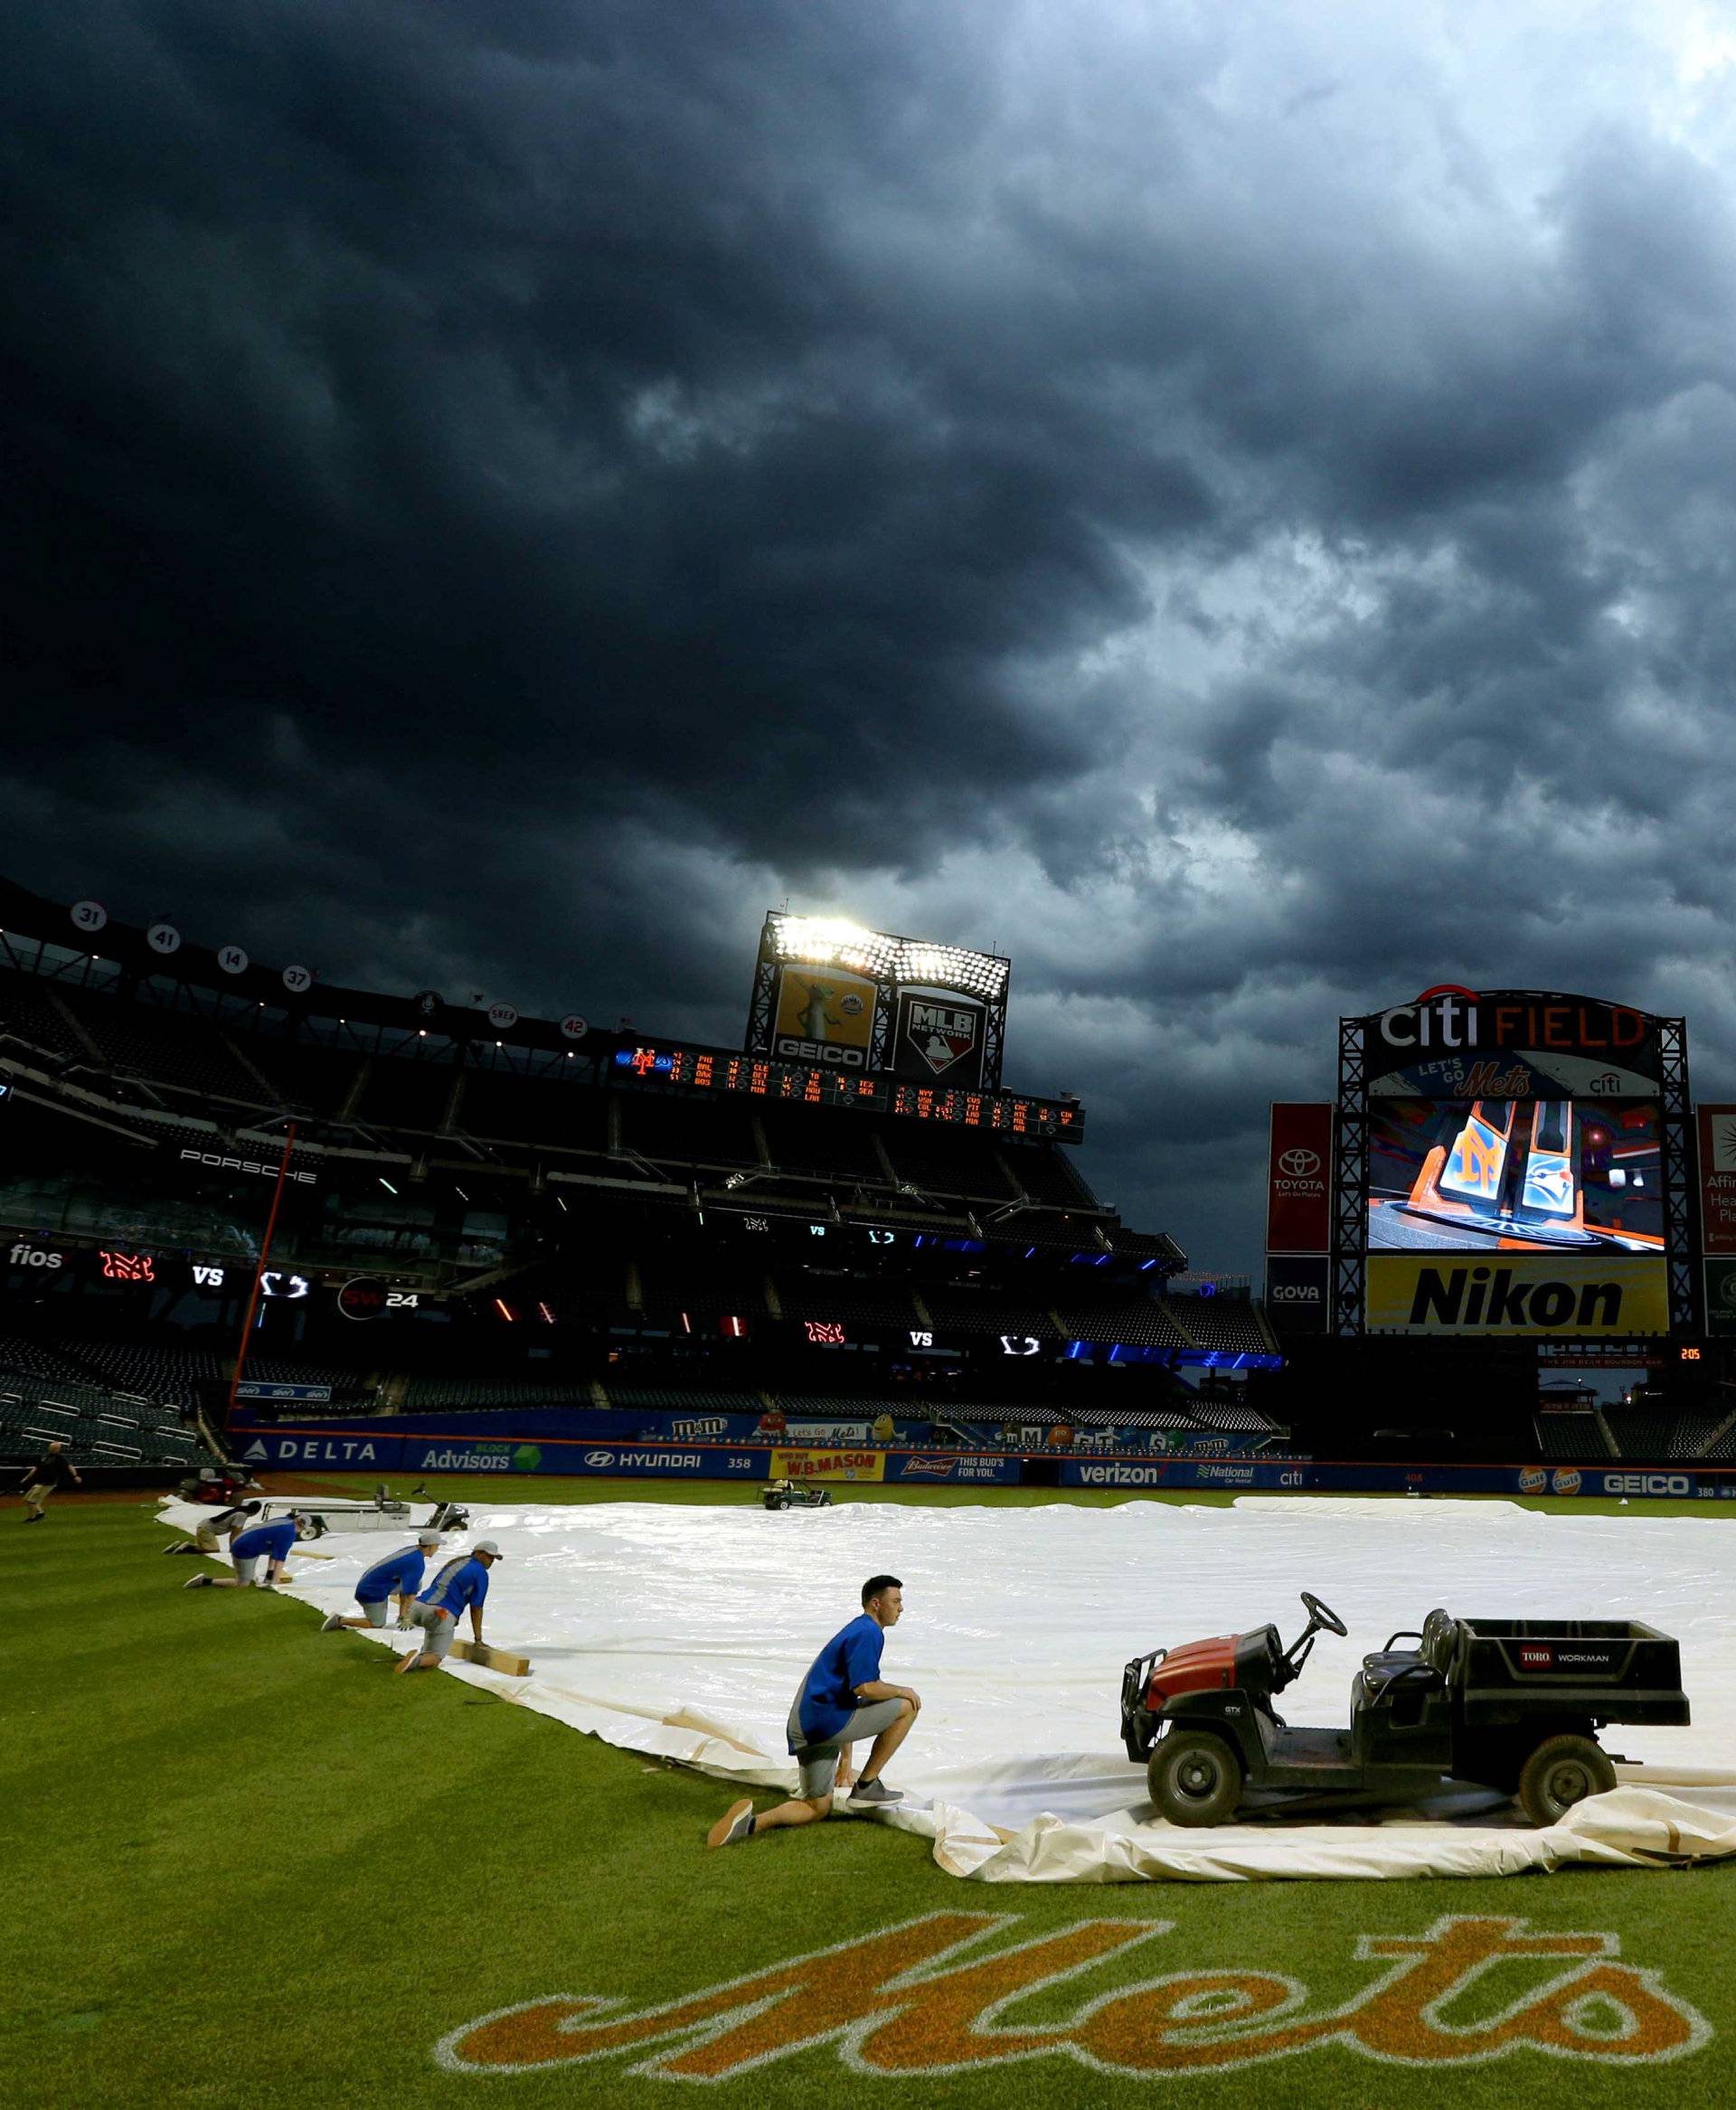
[[399, 1575], [269, 1542], [464, 1581], [842, 1700]]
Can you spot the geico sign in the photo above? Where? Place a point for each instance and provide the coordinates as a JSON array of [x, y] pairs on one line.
[[36, 1257], [1647, 1484], [217, 1162], [822, 1051]]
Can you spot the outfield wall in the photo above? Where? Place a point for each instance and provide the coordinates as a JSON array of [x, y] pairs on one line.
[[373, 1447], [629, 1424]]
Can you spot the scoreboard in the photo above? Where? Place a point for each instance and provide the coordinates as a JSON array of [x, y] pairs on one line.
[[812, 1084]]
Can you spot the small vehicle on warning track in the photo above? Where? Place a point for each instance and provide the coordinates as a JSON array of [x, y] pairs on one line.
[[794, 1494], [1509, 1704]]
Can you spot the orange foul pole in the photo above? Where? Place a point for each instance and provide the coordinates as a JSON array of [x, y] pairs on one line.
[[258, 1273]]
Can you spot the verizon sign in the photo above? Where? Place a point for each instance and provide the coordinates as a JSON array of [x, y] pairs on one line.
[[1298, 1189]]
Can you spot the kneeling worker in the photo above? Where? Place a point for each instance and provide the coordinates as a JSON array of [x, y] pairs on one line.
[[462, 1581], [842, 1699], [268, 1542], [400, 1574], [210, 1532]]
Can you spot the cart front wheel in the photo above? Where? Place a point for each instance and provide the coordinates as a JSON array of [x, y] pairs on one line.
[[1195, 1778], [1562, 1771]]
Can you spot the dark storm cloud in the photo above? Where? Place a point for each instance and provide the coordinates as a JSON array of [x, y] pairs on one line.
[[1232, 505]]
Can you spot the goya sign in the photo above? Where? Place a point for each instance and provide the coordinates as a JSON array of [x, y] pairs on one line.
[[948, 1994]]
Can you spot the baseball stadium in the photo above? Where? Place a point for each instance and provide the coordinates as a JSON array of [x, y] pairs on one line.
[[891, 1628]]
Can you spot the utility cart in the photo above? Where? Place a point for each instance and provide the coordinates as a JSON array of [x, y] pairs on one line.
[[1510, 1704]]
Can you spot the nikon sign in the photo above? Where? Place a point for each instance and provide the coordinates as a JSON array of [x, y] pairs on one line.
[[1558, 1295]]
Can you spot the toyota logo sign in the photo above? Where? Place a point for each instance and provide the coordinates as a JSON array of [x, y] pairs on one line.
[[1300, 1165]]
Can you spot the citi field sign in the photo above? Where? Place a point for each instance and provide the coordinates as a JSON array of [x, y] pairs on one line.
[[1454, 1042]]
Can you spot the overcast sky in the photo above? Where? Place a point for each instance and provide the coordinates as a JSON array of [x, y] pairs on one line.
[[1234, 506]]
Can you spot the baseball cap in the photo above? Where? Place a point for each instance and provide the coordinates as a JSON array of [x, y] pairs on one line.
[[487, 1546], [427, 1537]]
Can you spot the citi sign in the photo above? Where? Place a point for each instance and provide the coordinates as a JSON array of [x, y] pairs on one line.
[[1451, 1017]]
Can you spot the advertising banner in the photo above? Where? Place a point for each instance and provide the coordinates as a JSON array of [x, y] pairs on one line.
[[1298, 1189], [321, 1453], [304, 1450], [824, 1015], [837, 1464], [827, 1432], [950, 1469], [939, 1039], [1298, 1290], [1458, 1043], [1717, 1178], [1291, 1476], [1563, 1295], [1720, 1298], [310, 1395]]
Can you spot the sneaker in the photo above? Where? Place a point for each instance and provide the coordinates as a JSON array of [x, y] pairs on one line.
[[874, 1791], [196, 1582], [734, 1826], [331, 1624]]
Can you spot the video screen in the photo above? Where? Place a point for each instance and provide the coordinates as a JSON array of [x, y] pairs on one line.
[[1515, 1175]]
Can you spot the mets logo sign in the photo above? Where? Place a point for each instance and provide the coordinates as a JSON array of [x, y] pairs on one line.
[[938, 1995]]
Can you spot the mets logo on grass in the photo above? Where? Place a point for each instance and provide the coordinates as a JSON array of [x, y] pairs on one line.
[[943, 1994]]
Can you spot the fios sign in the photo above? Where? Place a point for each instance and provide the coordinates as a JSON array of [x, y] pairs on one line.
[[1298, 1181]]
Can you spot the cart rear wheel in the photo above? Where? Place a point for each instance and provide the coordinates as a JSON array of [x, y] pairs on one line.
[[1195, 1778], [1562, 1771]]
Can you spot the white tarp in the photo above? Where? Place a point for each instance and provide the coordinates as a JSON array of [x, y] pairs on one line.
[[683, 1632]]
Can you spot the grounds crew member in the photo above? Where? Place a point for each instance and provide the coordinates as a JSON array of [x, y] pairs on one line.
[[268, 1542], [842, 1699], [51, 1471], [227, 1524], [464, 1581], [400, 1574]]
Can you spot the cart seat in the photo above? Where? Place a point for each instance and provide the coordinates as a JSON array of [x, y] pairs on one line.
[[1383, 1664]]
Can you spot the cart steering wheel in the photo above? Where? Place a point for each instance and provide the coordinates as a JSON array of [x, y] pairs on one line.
[[1322, 1615]]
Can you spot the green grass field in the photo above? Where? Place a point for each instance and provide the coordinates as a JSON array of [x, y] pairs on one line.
[[246, 1866]]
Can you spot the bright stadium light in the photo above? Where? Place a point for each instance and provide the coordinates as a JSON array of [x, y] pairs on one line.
[[833, 941], [953, 966]]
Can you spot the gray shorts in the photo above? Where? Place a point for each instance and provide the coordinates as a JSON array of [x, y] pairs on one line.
[[248, 1567], [374, 1612], [818, 1762], [439, 1630]]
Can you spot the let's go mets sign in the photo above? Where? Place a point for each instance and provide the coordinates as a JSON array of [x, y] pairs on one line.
[[939, 1996]]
